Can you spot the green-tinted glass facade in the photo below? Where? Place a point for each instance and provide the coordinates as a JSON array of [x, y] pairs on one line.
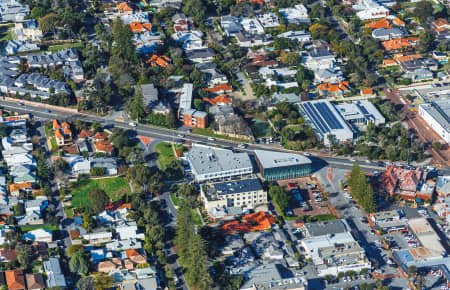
[[286, 172]]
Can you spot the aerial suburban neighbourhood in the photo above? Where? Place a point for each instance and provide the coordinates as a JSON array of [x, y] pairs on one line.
[[250, 144]]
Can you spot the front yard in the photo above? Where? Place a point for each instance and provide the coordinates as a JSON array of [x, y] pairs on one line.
[[114, 187], [165, 154]]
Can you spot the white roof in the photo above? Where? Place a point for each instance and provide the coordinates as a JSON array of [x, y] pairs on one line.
[[186, 96], [100, 235], [271, 159]]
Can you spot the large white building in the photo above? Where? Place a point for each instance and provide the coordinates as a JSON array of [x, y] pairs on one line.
[[370, 9], [239, 193], [332, 248], [326, 121], [437, 116], [297, 15], [360, 113], [213, 163]]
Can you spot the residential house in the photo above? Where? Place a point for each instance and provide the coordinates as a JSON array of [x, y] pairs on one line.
[[399, 44], [333, 89], [219, 100], [16, 188], [15, 279], [12, 11], [212, 74], [381, 23], [42, 83], [55, 277], [156, 60], [124, 8], [181, 23], [328, 75], [28, 30], [110, 266], [35, 281], [230, 25], [268, 20], [319, 59], [98, 238], [397, 181], [299, 35], [440, 26], [104, 146], [220, 89], [252, 26], [443, 186], [118, 246], [137, 27], [129, 231], [147, 278], [137, 256], [8, 255], [245, 40], [201, 55], [388, 33], [419, 75], [419, 63], [440, 57], [17, 46], [85, 135], [140, 16], [40, 250], [108, 163], [78, 164], [191, 40], [296, 15], [38, 235], [193, 118], [63, 134]]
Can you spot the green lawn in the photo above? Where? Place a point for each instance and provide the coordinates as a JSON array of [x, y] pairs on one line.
[[208, 132], [54, 48], [196, 217], [165, 154], [30, 228], [68, 211], [115, 188], [175, 199]]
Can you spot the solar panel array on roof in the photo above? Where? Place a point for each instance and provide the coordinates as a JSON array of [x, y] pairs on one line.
[[331, 120], [317, 120]]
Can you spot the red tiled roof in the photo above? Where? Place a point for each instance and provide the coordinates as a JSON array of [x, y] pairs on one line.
[[124, 7], [17, 186], [219, 88], [104, 146], [334, 88], [56, 124], [58, 133], [367, 91], [86, 134], [100, 136], [400, 179], [15, 279], [398, 21], [65, 125], [396, 44], [382, 23], [252, 222], [222, 99]]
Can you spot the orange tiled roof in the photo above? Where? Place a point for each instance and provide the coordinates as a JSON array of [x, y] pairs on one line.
[[219, 88], [400, 57], [86, 134], [389, 62], [104, 145], [132, 253], [148, 26], [67, 131], [156, 60], [222, 99], [400, 43], [56, 124], [15, 279], [65, 125], [403, 179], [367, 91], [58, 133], [100, 136], [382, 23], [124, 7], [16, 186], [398, 21], [125, 205], [137, 27], [440, 22], [333, 88], [252, 222]]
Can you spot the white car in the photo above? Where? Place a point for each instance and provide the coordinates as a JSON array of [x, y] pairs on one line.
[[211, 139], [132, 124]]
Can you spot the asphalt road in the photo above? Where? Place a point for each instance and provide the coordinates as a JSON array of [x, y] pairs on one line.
[[172, 135]]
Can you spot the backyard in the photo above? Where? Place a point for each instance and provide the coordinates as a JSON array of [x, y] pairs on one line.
[[260, 127], [114, 187]]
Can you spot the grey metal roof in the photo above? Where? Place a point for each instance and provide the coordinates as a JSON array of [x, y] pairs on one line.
[[440, 111], [239, 186], [327, 228], [206, 159], [271, 159]]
